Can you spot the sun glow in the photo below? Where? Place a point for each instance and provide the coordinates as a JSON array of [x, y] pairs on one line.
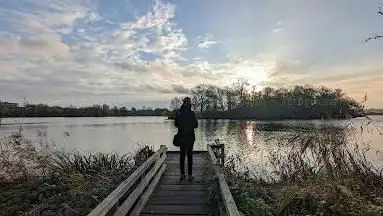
[[255, 75]]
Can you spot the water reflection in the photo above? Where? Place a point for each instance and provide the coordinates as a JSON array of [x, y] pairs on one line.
[[252, 140]]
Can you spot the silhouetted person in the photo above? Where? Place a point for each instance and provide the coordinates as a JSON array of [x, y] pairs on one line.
[[186, 122]]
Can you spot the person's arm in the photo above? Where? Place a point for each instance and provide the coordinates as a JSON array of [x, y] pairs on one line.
[[195, 121]]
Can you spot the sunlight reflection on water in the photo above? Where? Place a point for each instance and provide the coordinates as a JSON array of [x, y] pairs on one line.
[[252, 140]]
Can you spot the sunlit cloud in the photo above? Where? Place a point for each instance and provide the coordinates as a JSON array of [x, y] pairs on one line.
[[206, 41], [57, 50]]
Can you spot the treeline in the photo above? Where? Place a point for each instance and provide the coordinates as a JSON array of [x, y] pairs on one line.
[[374, 111], [42, 110], [241, 101]]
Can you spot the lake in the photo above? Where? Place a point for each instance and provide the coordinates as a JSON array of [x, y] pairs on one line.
[[251, 139]]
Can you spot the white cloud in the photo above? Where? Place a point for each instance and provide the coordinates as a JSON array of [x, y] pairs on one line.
[[279, 27], [206, 41], [278, 30], [143, 56]]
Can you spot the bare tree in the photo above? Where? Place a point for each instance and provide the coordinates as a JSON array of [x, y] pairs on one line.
[[376, 36], [175, 103], [240, 87]]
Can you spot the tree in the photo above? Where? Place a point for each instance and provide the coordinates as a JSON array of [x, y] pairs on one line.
[[115, 111], [302, 102], [240, 87], [175, 103], [376, 36], [123, 111], [200, 96], [230, 98]]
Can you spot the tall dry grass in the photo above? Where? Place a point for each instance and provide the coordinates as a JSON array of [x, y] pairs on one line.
[[323, 171], [37, 180]]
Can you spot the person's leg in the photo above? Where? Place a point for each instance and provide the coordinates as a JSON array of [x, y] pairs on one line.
[[182, 160], [190, 158]]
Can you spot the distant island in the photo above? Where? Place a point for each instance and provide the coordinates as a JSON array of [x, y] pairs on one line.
[[241, 101], [42, 110]]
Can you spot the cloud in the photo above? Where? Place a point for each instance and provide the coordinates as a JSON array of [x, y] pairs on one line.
[[206, 41], [179, 89], [36, 46], [279, 27], [278, 30], [153, 32], [57, 50]]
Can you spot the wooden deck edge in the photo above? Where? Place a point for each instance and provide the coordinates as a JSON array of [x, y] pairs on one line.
[[111, 202], [126, 206], [145, 197], [230, 205]]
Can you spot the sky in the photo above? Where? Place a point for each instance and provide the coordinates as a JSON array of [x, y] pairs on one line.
[[145, 52]]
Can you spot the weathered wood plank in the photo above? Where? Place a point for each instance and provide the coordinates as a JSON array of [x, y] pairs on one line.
[[129, 202], [230, 206], [175, 197], [165, 214], [144, 198], [179, 193], [177, 173], [176, 209], [197, 187], [111, 201], [178, 200]]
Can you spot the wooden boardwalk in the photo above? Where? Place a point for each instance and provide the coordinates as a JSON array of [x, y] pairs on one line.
[[175, 197], [154, 188]]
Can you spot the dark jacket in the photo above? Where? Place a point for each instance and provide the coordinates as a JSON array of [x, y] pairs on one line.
[[186, 122]]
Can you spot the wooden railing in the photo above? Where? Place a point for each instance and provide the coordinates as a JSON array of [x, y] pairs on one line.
[[230, 206], [130, 197]]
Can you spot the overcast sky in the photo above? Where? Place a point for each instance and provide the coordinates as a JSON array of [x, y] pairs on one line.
[[140, 52]]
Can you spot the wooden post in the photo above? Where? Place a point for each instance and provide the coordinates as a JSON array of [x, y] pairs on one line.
[[219, 150]]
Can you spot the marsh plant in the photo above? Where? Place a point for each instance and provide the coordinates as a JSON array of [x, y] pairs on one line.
[[37, 180], [324, 171]]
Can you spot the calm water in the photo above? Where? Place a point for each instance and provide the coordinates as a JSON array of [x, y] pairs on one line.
[[124, 134]]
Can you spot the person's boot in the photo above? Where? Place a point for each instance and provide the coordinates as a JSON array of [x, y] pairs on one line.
[[190, 178], [182, 177]]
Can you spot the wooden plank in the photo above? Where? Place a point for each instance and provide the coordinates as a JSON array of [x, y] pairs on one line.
[[177, 173], [230, 206], [176, 209], [196, 152], [180, 200], [175, 197], [179, 193], [113, 198], [190, 187], [164, 214], [129, 202], [195, 158], [144, 198], [176, 180]]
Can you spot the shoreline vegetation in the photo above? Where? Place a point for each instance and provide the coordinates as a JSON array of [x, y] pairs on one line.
[[37, 180], [373, 111], [317, 172], [42, 110], [241, 101]]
